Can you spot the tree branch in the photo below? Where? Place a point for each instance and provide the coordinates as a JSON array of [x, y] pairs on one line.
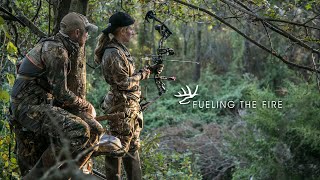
[[247, 37], [10, 16], [26, 22], [271, 26], [315, 67], [16, 37], [290, 22], [311, 19], [38, 10], [264, 26]]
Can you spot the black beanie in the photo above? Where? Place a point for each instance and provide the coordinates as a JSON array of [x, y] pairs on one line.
[[118, 19]]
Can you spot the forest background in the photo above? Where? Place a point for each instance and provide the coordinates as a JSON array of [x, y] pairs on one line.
[[249, 50]]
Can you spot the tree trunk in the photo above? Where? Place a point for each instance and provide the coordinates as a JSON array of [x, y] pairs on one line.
[[61, 8], [198, 53], [247, 53], [185, 41], [144, 41], [79, 6], [77, 75], [153, 38], [318, 37], [317, 61]]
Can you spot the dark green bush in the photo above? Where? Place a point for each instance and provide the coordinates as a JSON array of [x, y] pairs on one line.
[[279, 143]]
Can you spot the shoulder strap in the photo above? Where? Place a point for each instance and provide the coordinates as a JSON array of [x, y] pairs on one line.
[[111, 47], [122, 53]]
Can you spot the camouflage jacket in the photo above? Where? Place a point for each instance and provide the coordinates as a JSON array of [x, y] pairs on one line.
[[119, 71], [42, 74]]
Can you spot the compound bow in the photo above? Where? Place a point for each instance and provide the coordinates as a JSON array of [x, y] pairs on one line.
[[165, 33], [161, 51]]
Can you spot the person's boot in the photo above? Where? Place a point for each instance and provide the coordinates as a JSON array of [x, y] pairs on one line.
[[132, 166], [113, 168]]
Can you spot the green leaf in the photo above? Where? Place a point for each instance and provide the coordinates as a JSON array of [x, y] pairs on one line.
[[308, 6], [7, 34], [3, 27], [13, 160], [1, 21], [11, 48], [12, 59], [4, 96], [6, 164], [10, 78], [16, 175], [5, 30]]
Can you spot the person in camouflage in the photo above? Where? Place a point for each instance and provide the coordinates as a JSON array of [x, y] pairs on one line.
[[40, 97], [119, 71]]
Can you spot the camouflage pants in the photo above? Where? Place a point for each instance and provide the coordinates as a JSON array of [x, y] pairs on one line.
[[29, 149], [57, 127], [128, 129]]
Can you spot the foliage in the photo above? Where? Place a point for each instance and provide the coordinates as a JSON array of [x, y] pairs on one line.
[[281, 143], [215, 88], [96, 89], [8, 162], [160, 164], [8, 53]]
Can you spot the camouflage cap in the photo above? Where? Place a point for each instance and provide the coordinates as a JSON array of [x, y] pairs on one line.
[[73, 21]]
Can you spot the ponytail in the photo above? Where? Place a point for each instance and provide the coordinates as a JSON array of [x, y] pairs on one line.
[[98, 52], [103, 40]]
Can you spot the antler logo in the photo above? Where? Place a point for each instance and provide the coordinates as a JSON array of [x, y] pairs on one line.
[[186, 95]]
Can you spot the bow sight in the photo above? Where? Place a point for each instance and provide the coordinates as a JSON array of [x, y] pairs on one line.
[[166, 51]]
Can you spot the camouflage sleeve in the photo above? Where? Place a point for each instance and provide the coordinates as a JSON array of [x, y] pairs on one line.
[[57, 62], [117, 68]]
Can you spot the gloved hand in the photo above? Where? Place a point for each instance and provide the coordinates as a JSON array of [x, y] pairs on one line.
[[156, 68], [145, 73], [92, 111]]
